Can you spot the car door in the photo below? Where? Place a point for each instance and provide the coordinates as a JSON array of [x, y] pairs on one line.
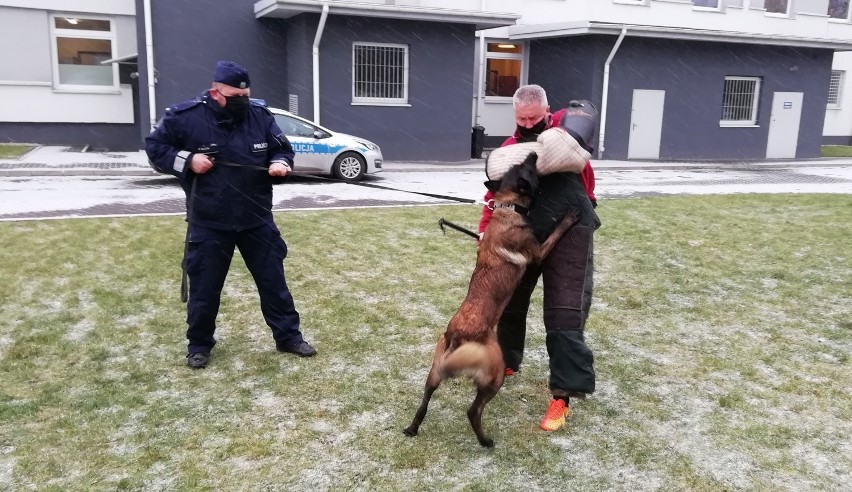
[[305, 144]]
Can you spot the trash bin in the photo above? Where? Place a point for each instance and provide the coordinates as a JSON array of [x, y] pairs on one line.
[[477, 142]]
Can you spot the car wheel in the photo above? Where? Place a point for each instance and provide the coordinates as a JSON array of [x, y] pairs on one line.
[[349, 166]]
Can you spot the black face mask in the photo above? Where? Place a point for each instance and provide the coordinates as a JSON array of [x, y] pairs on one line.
[[237, 106], [530, 134]]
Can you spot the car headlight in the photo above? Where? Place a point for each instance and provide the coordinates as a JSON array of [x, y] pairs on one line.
[[369, 145]]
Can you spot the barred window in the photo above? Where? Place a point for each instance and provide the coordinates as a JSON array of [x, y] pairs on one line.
[[379, 73], [835, 88], [739, 101]]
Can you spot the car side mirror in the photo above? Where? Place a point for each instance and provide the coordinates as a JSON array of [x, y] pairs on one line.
[[318, 134]]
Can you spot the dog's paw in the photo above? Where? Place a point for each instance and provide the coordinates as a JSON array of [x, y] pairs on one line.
[[410, 432], [487, 442]]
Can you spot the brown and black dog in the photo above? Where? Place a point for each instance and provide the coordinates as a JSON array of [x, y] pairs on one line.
[[469, 346]]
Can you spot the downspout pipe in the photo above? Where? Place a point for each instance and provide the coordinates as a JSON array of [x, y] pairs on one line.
[[605, 95], [149, 56], [480, 77], [315, 56]]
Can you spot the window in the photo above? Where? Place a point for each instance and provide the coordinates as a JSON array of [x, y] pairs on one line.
[[777, 6], [835, 88], [503, 62], [739, 101], [297, 128], [709, 4], [79, 47], [379, 73], [838, 9]]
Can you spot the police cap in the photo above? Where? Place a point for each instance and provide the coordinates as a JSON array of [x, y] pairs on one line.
[[231, 73]]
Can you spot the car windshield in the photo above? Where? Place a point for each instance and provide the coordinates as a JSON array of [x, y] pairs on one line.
[[293, 127]]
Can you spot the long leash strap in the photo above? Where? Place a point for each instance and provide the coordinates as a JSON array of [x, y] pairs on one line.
[[184, 284], [443, 222], [367, 185], [371, 185]]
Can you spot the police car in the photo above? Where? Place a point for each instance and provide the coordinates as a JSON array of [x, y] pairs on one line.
[[320, 150]]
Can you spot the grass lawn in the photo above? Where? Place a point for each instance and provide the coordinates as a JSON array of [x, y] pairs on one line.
[[836, 151], [721, 329], [13, 151]]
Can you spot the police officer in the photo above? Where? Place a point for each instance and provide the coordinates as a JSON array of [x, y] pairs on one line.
[[224, 148]]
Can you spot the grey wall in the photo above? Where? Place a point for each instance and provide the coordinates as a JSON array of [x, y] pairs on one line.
[[300, 38], [190, 37], [692, 74], [436, 126]]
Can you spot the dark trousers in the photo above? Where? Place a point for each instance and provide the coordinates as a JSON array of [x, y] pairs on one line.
[[568, 281], [208, 260]]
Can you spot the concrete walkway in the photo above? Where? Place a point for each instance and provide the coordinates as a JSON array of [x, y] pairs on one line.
[[66, 161]]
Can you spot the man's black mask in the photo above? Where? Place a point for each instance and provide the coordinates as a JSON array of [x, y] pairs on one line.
[[237, 106], [530, 134]]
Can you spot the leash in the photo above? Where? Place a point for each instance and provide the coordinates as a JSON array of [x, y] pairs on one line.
[[184, 264], [442, 222], [372, 185], [184, 284]]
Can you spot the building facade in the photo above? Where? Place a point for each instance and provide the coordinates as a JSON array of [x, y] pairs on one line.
[[53, 82], [673, 79]]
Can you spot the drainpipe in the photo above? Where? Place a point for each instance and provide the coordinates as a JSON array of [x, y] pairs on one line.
[[479, 78], [605, 95], [315, 53], [149, 55]]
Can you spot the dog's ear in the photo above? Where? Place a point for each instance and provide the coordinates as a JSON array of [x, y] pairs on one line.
[[493, 185], [531, 160], [524, 186]]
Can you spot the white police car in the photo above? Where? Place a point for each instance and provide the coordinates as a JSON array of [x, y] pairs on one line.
[[320, 150]]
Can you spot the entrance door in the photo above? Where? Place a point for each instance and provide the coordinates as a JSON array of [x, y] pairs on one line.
[[784, 125], [646, 124]]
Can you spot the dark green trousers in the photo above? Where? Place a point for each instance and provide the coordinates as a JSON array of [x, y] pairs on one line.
[[567, 282]]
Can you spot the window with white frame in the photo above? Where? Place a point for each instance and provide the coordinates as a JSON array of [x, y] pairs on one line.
[[838, 9], [503, 67], [835, 88], [739, 101], [379, 73], [777, 6], [79, 47]]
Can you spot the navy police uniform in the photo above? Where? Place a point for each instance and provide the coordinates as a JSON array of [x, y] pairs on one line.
[[228, 206]]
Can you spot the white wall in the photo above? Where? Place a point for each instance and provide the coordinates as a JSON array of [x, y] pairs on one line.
[[809, 18], [808, 21], [838, 122], [42, 104], [26, 72], [111, 7], [28, 31]]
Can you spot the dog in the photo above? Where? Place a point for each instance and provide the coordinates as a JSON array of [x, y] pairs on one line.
[[469, 345]]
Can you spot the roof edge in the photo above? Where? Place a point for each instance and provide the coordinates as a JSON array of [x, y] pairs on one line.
[[284, 9], [541, 31]]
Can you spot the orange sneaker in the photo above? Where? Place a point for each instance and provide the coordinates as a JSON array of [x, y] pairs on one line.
[[555, 416]]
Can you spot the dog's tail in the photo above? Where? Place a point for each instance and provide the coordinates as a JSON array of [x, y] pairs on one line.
[[470, 359]]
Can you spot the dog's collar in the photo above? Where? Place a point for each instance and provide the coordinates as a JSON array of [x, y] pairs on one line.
[[492, 204]]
